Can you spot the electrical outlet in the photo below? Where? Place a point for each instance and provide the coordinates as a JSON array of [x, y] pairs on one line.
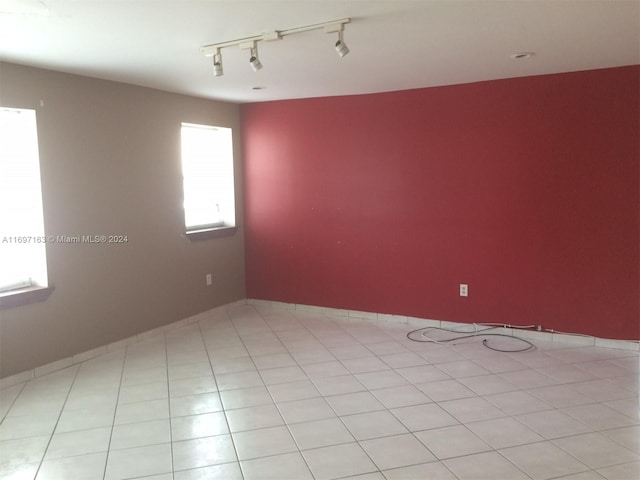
[[464, 290], [209, 279]]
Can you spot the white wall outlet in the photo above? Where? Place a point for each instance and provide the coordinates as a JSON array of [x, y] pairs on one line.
[[464, 290], [209, 279]]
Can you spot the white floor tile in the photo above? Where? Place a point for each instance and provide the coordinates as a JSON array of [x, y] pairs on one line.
[[431, 471], [306, 356], [225, 471], [140, 434], [273, 376], [277, 467], [621, 472], [198, 426], [384, 347], [142, 411], [600, 417], [286, 392], [528, 379], [325, 369], [553, 424], [338, 461], [627, 406], [305, 410], [338, 385], [462, 369], [138, 462], [19, 472], [85, 418], [263, 442], [484, 466], [245, 397], [365, 426], [543, 460], [471, 409], [516, 403], [351, 403], [423, 417], [488, 384], [365, 364], [252, 418], [78, 443], [203, 452], [195, 404], [192, 386], [596, 450], [320, 433], [88, 467], [589, 475], [142, 392], [383, 379], [628, 437], [397, 451], [560, 396], [453, 441], [504, 432], [230, 381], [601, 390], [445, 390], [233, 365], [23, 450], [422, 374], [27, 426], [402, 396], [400, 360], [276, 360]]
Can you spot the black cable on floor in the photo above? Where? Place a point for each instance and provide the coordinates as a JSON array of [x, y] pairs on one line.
[[477, 333]]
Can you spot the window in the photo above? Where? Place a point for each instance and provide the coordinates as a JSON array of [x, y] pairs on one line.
[[22, 241], [207, 171]]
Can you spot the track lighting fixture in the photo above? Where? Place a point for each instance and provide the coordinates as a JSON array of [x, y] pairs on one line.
[[341, 47], [217, 64], [254, 61], [251, 43]]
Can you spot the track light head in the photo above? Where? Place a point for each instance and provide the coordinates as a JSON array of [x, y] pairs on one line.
[[341, 47], [217, 64], [254, 61], [251, 43]]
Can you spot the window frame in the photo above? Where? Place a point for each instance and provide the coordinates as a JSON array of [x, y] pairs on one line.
[[30, 290], [228, 223]]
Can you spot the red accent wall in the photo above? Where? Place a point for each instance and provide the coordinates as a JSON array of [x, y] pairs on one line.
[[526, 189]]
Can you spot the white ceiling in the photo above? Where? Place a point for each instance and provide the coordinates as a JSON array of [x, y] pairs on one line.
[[395, 44]]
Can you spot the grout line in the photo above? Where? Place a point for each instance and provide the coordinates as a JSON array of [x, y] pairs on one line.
[[21, 385], [44, 454], [224, 410], [115, 412], [166, 359]]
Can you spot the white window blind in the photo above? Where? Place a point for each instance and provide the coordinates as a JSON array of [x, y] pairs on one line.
[[22, 242], [207, 170]]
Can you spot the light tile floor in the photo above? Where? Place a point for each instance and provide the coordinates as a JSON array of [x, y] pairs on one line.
[[251, 393]]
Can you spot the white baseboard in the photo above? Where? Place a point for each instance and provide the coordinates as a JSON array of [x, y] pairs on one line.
[[385, 318], [348, 315]]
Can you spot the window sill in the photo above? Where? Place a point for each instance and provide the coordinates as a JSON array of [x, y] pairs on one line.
[[24, 296], [213, 232]]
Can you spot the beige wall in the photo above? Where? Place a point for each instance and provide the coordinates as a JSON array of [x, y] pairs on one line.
[[109, 155]]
